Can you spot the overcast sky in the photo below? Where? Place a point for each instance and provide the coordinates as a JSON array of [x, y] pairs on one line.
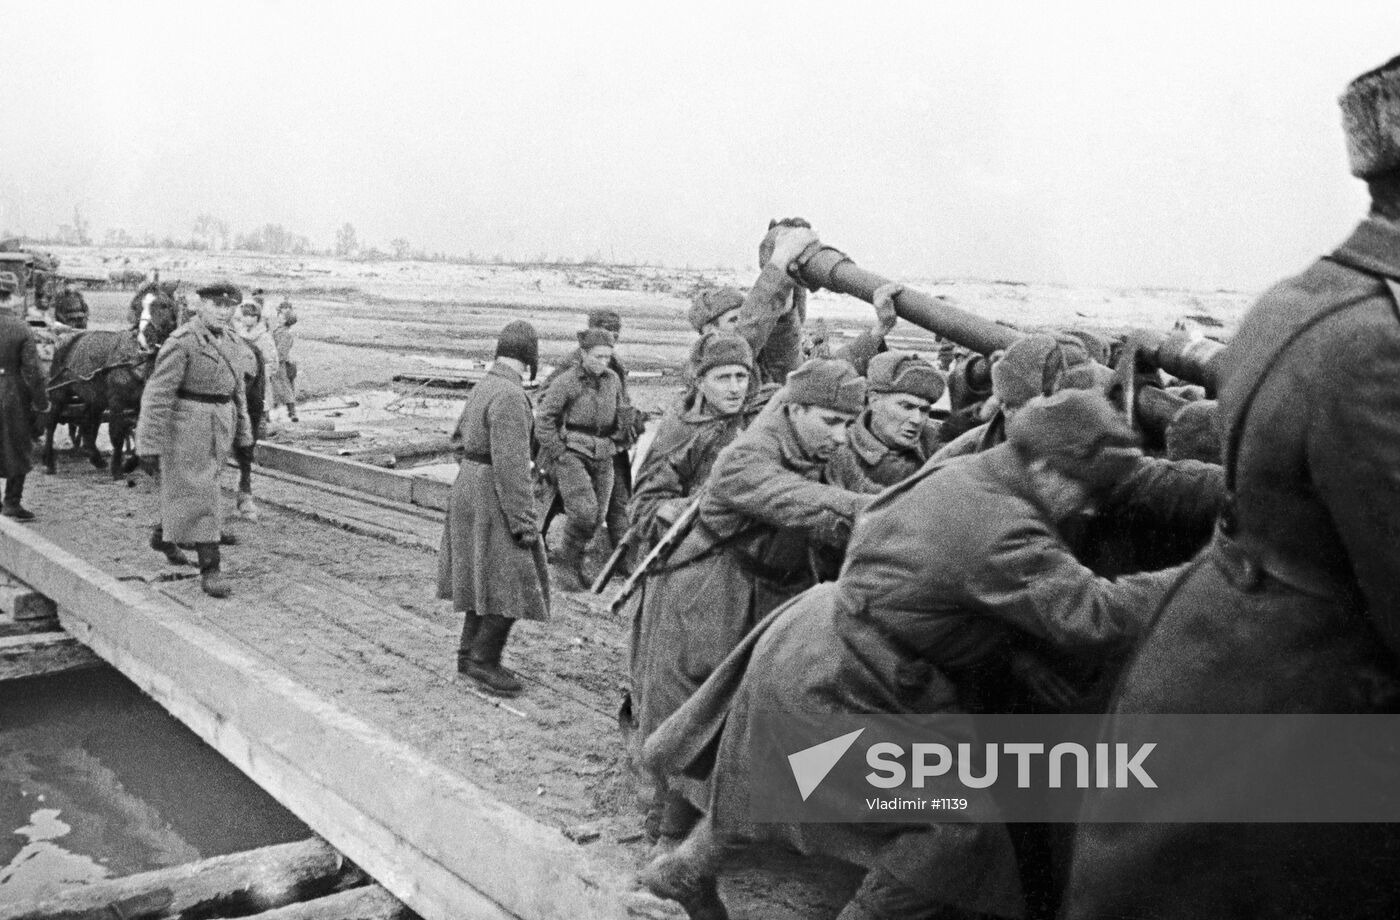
[[1124, 143]]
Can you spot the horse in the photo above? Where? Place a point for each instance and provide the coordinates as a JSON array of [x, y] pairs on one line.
[[103, 371]]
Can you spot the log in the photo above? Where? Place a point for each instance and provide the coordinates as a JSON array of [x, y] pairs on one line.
[[239, 883], [24, 603], [370, 902], [42, 654]]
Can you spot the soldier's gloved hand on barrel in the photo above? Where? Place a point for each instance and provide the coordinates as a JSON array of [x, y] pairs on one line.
[[884, 305], [150, 464], [789, 243], [526, 540]]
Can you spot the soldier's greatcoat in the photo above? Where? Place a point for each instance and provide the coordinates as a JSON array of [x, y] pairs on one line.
[[193, 437], [482, 567], [22, 396], [1293, 608], [922, 597], [747, 553]]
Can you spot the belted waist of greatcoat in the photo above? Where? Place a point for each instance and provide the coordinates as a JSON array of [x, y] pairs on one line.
[[212, 398]]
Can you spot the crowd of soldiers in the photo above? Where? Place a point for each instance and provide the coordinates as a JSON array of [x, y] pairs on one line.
[[815, 540]]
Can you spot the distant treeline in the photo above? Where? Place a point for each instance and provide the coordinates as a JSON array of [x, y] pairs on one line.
[[212, 234]]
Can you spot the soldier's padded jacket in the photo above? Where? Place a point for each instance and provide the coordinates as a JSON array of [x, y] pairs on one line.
[[866, 464], [1294, 608], [481, 565], [763, 504], [941, 574], [688, 441], [22, 396], [578, 413], [192, 438]]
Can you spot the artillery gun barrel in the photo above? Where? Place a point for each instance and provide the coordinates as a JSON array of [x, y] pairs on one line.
[[1191, 358], [824, 267]]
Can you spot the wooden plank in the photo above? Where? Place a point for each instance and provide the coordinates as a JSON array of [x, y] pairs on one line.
[[265, 878], [42, 654], [347, 473], [440, 843], [370, 902], [361, 477]]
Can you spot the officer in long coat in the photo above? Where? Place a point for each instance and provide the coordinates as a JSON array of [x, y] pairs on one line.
[[1295, 605], [23, 401], [492, 564], [193, 414], [925, 601], [763, 508]]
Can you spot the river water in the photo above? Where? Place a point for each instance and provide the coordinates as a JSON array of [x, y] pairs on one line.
[[96, 780]]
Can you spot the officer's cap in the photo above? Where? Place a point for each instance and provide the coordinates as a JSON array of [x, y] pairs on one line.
[[221, 293], [904, 372], [1078, 433], [828, 383]]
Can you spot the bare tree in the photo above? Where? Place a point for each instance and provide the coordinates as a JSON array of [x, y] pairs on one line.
[[346, 244], [403, 249], [81, 228]]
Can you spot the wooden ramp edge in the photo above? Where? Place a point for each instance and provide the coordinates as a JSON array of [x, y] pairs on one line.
[[350, 474], [439, 843]]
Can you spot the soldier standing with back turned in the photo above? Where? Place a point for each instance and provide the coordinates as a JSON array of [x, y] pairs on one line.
[[1295, 605]]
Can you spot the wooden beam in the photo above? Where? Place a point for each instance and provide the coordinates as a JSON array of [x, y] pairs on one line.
[[440, 843], [370, 902], [42, 654], [256, 880]]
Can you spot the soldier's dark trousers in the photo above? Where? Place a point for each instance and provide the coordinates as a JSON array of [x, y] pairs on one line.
[[211, 580], [14, 491], [471, 624], [173, 554], [585, 485], [616, 516], [483, 662]]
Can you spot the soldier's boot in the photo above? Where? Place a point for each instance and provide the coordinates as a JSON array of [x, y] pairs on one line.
[[173, 554], [210, 578], [247, 508], [484, 662], [471, 625], [568, 563], [14, 493], [687, 874]]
